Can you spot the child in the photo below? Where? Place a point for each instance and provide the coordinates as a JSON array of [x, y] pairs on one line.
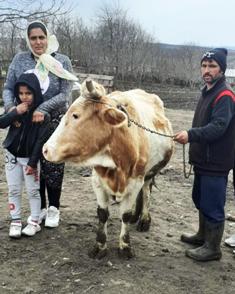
[[23, 146]]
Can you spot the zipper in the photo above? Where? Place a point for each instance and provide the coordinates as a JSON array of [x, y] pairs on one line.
[[27, 141], [21, 137]]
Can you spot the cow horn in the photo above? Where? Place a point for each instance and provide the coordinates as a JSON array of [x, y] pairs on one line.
[[95, 90], [89, 85]]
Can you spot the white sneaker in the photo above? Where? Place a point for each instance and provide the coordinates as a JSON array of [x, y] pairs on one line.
[[31, 229], [15, 229], [42, 216], [53, 217], [230, 241]]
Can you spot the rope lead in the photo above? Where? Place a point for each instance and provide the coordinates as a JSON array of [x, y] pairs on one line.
[[186, 175]]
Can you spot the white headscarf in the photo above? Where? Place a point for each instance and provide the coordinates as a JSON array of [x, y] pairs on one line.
[[46, 63]]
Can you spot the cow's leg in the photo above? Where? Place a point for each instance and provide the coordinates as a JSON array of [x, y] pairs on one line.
[[126, 209], [145, 218], [124, 249], [100, 248]]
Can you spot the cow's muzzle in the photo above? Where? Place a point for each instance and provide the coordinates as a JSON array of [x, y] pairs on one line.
[[49, 153]]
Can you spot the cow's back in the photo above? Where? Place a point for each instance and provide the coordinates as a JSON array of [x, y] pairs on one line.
[[148, 110], [148, 107]]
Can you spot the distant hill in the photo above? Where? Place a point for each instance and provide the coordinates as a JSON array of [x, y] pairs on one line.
[[172, 47]]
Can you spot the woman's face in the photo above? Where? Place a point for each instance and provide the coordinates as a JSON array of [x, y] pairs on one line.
[[38, 41]]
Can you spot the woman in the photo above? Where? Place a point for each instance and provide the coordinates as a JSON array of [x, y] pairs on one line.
[[53, 71]]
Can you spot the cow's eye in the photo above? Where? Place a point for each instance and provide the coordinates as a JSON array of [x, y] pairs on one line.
[[75, 116]]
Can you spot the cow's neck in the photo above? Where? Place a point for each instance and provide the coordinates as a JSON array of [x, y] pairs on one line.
[[101, 159], [114, 178], [129, 157]]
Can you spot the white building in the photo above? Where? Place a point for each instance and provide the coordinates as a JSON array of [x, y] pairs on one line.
[[230, 76]]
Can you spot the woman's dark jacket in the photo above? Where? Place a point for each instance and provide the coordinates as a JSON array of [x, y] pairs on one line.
[[212, 136], [27, 139]]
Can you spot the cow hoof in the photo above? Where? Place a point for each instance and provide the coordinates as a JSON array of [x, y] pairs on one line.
[[126, 253], [143, 225], [97, 253], [134, 219]]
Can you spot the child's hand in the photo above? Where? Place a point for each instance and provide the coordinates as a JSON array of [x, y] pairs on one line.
[[32, 171], [22, 108]]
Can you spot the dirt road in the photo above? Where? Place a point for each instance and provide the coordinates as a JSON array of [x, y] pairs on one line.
[[56, 261]]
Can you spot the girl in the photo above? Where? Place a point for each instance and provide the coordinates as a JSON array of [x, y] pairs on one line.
[[23, 146]]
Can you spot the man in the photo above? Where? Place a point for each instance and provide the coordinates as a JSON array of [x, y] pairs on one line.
[[211, 152]]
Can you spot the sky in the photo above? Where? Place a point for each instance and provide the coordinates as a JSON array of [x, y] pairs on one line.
[[199, 22]]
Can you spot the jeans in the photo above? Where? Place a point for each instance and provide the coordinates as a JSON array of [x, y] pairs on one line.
[[16, 176], [209, 196]]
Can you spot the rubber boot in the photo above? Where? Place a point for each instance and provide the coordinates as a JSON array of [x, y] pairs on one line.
[[210, 250], [198, 238], [234, 181]]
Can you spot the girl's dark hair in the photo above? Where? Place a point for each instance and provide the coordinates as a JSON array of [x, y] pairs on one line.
[[36, 25]]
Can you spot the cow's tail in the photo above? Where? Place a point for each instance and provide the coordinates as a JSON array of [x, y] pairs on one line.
[[138, 208]]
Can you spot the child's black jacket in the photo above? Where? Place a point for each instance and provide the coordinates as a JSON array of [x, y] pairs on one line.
[[25, 138]]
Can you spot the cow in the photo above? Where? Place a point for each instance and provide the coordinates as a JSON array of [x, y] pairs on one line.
[[110, 133]]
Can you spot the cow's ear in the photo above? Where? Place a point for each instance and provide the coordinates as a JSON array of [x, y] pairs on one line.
[[114, 117]]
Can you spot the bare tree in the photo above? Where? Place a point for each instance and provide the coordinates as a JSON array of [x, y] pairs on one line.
[[29, 9], [64, 30], [188, 63], [77, 41], [123, 45], [10, 41], [116, 45]]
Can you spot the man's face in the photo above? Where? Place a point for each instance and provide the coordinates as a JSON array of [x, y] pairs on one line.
[[210, 71], [38, 41]]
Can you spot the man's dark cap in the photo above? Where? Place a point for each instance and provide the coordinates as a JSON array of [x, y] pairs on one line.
[[219, 55]]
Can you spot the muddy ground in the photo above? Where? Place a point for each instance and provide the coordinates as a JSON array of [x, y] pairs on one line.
[[56, 260]]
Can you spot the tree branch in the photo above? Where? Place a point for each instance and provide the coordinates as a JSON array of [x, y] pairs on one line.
[[16, 10]]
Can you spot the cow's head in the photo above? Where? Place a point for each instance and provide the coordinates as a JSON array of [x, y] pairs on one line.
[[86, 129]]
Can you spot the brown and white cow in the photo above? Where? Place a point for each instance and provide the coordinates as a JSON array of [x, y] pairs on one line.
[[95, 132]]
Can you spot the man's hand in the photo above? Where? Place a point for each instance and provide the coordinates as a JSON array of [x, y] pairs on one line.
[[38, 116], [22, 108], [32, 171], [181, 137]]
